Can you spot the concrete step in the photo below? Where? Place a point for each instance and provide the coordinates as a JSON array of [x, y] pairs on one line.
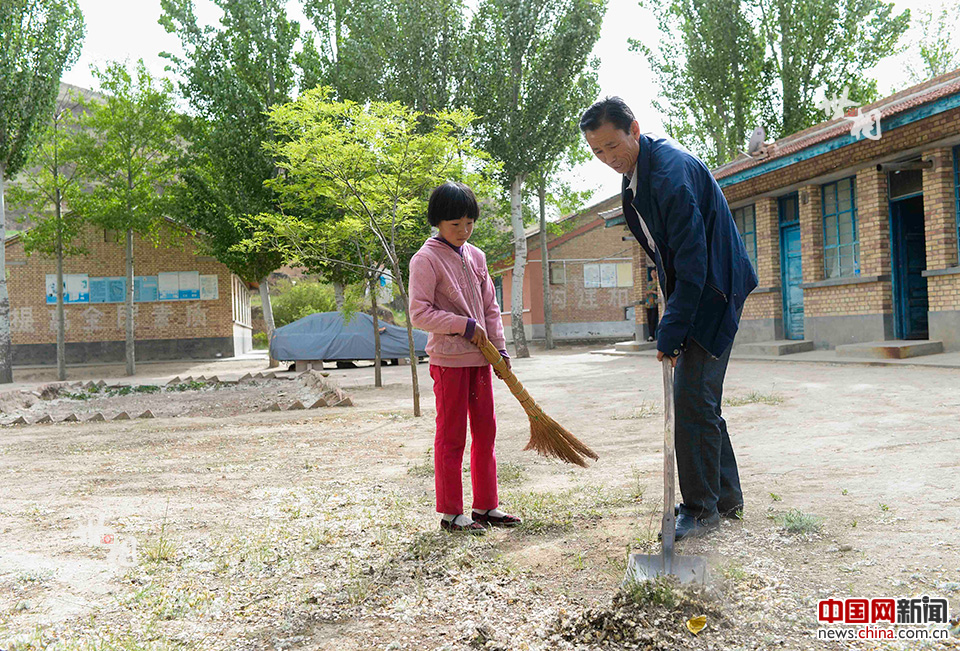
[[776, 348], [894, 349], [634, 346]]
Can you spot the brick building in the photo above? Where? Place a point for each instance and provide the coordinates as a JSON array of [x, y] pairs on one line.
[[854, 234], [186, 305], [591, 280]]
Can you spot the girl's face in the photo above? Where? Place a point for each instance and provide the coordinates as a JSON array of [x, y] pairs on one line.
[[456, 231]]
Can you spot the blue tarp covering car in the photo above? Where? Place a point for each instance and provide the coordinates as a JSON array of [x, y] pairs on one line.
[[325, 336]]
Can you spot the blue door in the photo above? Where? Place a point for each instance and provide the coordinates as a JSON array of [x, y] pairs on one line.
[[791, 267], [909, 262]]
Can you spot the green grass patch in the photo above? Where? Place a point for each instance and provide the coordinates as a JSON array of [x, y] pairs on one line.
[[796, 521], [753, 397], [545, 512], [193, 385], [661, 591], [424, 467], [645, 410]]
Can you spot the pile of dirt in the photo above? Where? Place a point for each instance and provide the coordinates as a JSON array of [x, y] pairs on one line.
[[651, 615]]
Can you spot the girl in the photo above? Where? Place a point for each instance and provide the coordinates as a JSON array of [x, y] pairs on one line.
[[453, 299]]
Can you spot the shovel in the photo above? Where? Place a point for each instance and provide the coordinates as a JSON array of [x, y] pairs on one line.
[[643, 567]]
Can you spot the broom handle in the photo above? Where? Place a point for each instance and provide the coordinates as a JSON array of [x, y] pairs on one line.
[[496, 360]]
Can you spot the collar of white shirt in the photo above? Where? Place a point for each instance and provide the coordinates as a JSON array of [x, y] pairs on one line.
[[633, 181]]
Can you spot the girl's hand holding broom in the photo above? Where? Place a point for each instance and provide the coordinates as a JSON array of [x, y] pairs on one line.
[[547, 437], [480, 340]]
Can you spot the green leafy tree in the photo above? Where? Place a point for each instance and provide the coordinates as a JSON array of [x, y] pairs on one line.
[[939, 47], [231, 76], [295, 301], [405, 51], [376, 164], [41, 39], [824, 45], [724, 67], [46, 191], [528, 58], [313, 237], [710, 69], [130, 139]]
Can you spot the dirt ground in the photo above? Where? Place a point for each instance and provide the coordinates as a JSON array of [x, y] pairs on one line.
[[316, 529]]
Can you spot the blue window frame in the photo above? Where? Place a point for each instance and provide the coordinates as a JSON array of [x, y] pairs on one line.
[[956, 190], [746, 220], [498, 290], [841, 244]]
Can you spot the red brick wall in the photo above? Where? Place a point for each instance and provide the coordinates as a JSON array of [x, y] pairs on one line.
[[32, 319]]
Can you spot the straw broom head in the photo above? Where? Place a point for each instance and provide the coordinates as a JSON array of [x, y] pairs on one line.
[[547, 436]]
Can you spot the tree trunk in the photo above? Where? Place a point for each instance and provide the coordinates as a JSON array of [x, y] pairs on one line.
[[6, 351], [519, 265], [398, 279], [131, 363], [377, 381], [268, 317], [545, 264], [338, 295], [61, 317]]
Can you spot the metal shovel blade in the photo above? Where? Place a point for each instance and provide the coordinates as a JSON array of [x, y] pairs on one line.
[[645, 567]]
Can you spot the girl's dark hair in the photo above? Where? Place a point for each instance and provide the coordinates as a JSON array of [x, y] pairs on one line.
[[452, 201], [611, 110]]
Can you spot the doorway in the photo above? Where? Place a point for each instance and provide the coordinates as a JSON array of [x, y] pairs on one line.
[[791, 267], [909, 250]]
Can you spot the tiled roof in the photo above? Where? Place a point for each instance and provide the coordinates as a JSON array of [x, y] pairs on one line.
[[929, 91]]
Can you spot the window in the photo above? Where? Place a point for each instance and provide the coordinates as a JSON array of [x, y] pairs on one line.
[[607, 274], [558, 273], [498, 289], [905, 183], [841, 246], [956, 189], [746, 220]]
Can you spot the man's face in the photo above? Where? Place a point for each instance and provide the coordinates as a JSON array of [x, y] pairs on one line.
[[615, 147]]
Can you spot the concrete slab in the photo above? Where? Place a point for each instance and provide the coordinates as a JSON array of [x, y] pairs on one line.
[[897, 349], [775, 348], [634, 346]]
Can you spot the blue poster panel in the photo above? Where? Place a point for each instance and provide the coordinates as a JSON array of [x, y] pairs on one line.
[[116, 289], [169, 285], [148, 289], [98, 290], [189, 285]]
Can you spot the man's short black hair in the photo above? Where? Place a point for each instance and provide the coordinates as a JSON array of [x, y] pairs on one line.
[[452, 201], [611, 110]]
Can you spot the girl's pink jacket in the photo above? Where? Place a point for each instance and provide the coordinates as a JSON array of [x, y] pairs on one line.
[[446, 290]]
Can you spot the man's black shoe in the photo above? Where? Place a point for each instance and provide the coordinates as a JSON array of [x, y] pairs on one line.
[[736, 513], [691, 527]]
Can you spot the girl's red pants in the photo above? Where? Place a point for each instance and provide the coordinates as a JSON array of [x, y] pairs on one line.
[[462, 393]]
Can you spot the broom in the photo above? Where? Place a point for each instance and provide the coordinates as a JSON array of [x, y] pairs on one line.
[[547, 436]]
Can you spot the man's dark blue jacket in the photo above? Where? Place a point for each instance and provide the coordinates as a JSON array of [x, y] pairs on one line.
[[701, 262]]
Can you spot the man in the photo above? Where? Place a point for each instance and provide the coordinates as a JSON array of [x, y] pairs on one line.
[[675, 209]]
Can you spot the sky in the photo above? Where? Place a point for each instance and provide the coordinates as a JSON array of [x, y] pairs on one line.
[[129, 30]]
